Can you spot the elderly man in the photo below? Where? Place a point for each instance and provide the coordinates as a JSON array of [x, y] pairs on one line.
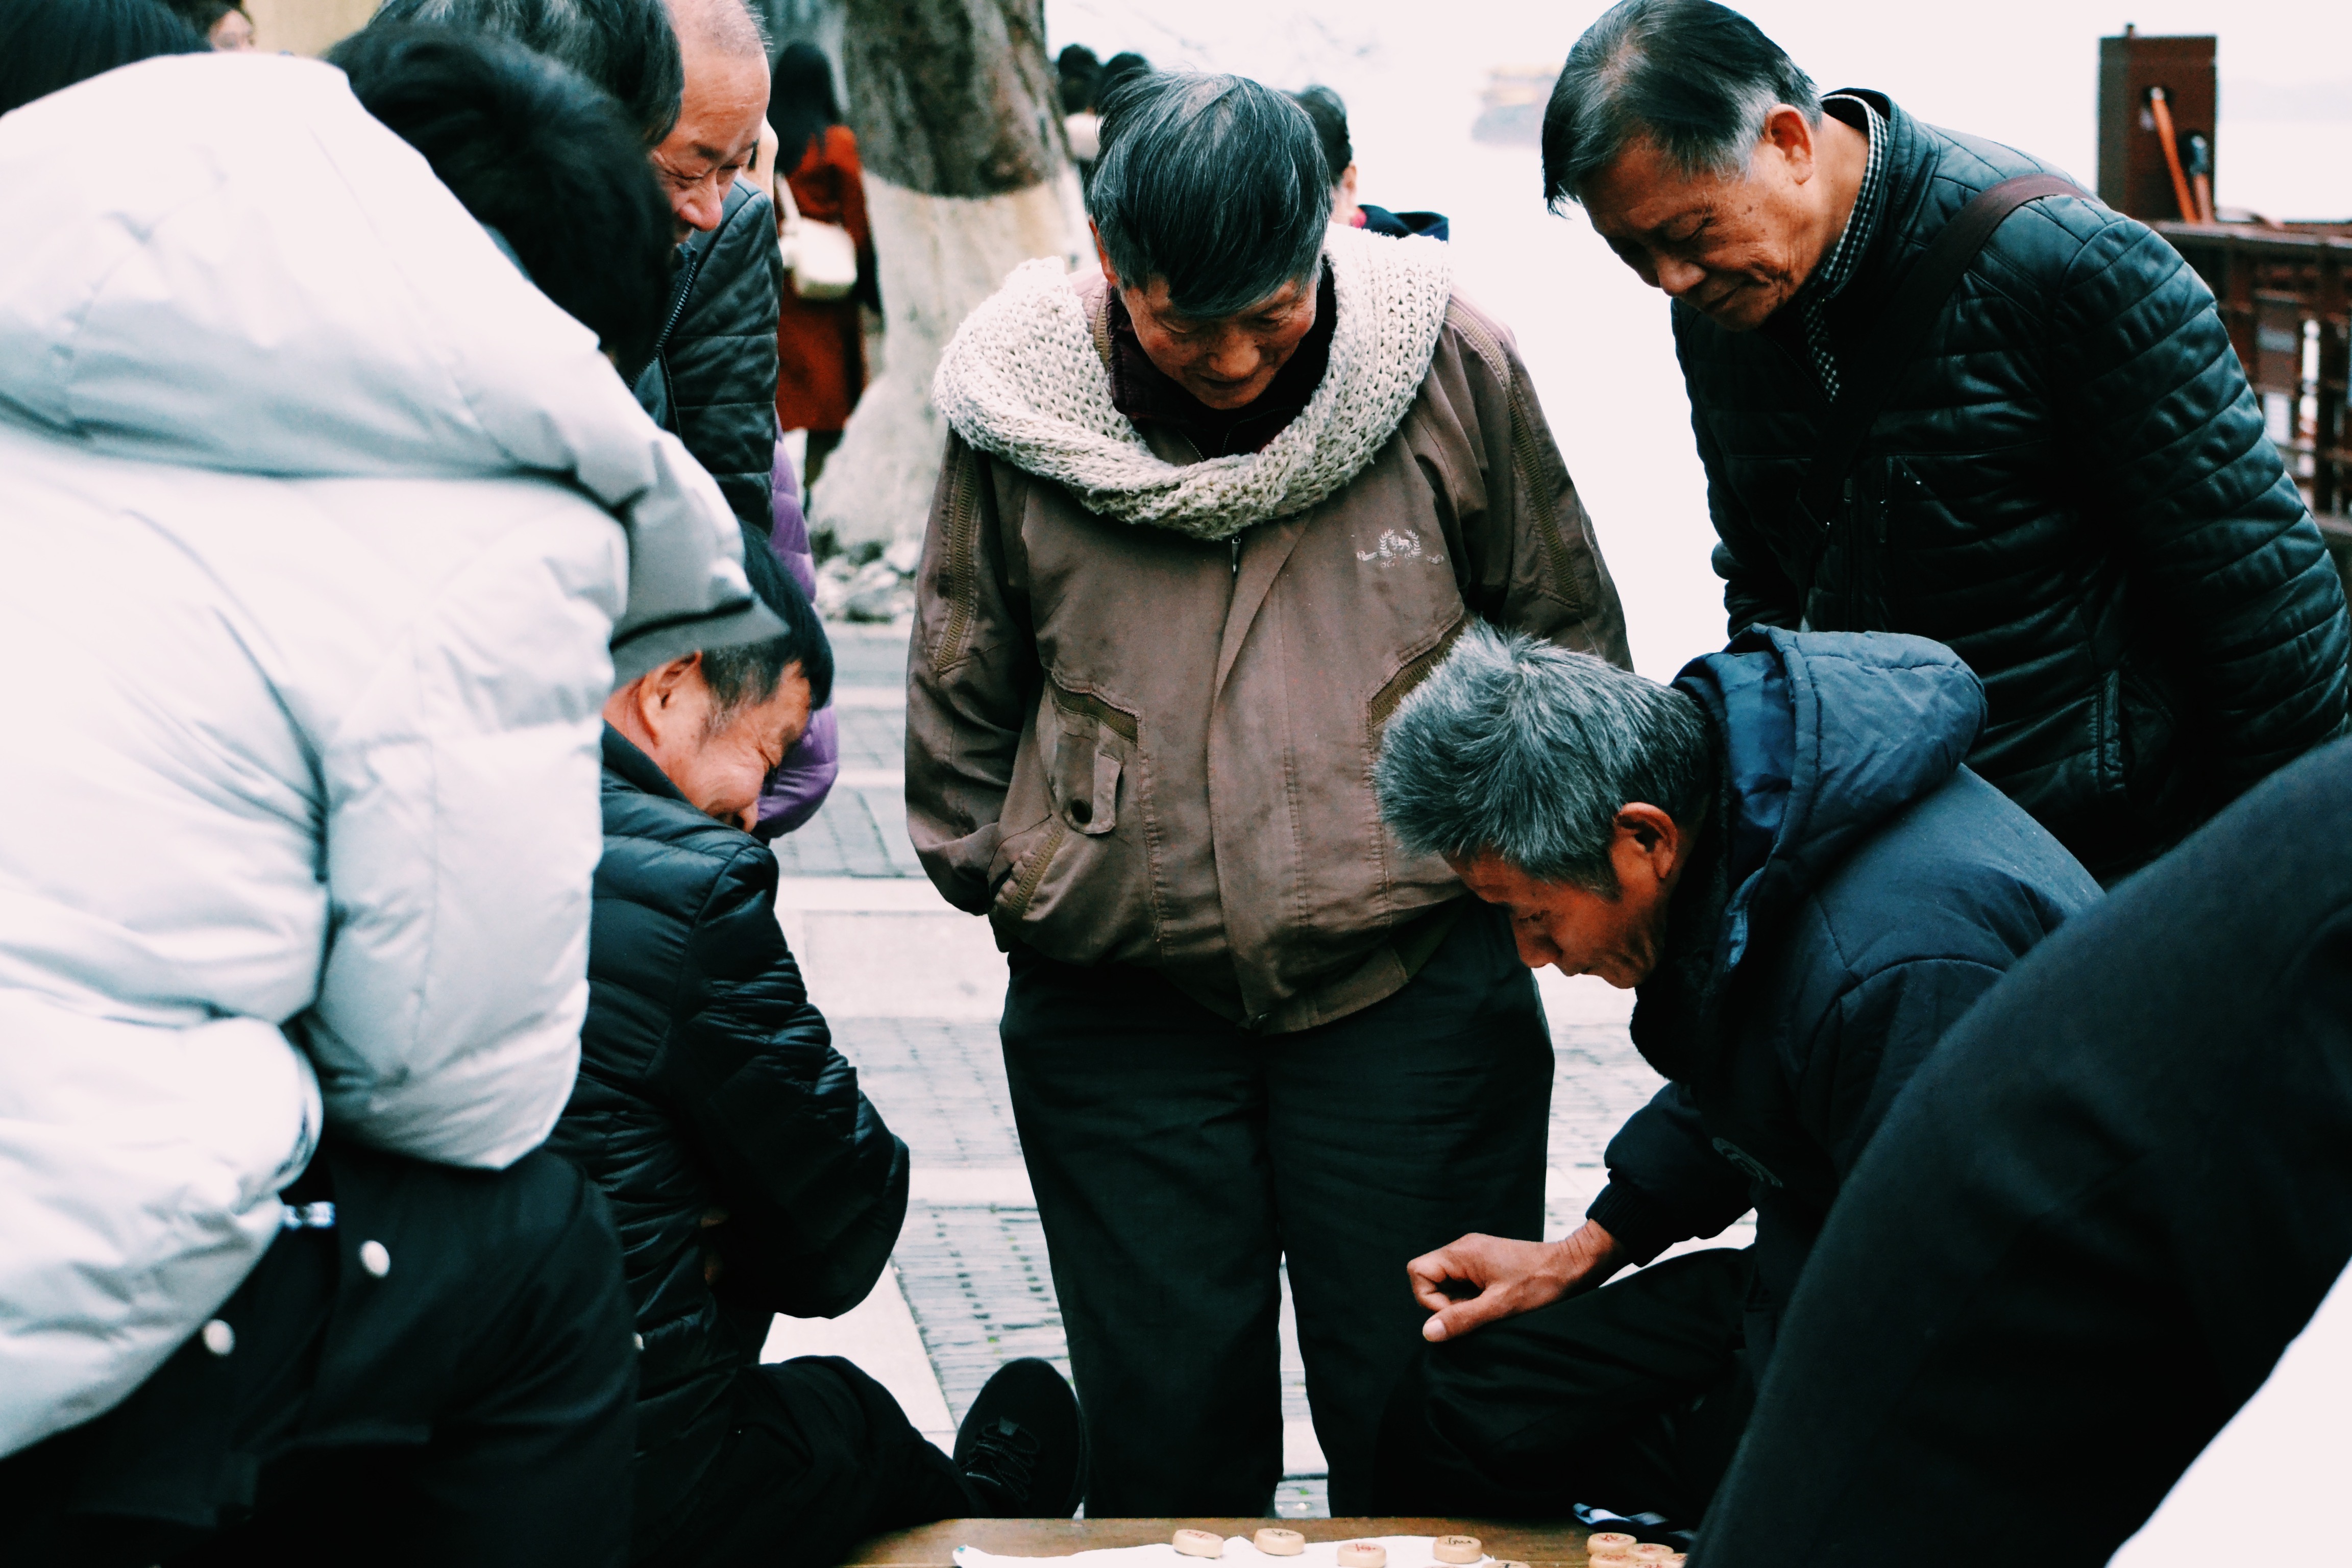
[[693, 75], [1203, 521], [309, 512], [2083, 1238], [1783, 853], [748, 1174], [2066, 479]]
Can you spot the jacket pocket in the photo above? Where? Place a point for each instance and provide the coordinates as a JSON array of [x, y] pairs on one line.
[[1091, 740], [1078, 883]]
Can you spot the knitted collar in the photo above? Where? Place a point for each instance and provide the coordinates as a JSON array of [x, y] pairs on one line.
[[1022, 380]]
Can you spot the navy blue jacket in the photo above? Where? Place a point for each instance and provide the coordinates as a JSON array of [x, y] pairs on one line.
[[708, 1081], [2071, 486], [1855, 890]]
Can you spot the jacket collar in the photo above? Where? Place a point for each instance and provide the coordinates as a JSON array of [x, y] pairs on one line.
[[624, 762]]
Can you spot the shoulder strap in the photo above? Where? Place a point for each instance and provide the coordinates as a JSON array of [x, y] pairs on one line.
[[1899, 333]]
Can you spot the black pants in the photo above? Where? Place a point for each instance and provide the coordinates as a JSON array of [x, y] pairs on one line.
[[1178, 1160], [1632, 1397], [821, 1457], [2087, 1229], [472, 1405]]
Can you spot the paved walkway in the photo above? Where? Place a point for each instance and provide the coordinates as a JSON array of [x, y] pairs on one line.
[[912, 989]]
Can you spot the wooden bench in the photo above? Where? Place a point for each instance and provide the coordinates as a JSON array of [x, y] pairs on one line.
[[933, 1545]]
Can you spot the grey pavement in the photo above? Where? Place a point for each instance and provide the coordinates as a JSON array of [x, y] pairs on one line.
[[971, 1261]]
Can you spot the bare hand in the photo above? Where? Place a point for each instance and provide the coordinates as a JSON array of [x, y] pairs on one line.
[[1510, 1277]]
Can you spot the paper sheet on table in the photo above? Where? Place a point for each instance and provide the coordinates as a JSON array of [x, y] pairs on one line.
[[1404, 1552]]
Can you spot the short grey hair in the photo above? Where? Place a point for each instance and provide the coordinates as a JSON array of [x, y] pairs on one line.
[[1694, 78], [625, 46], [1526, 751], [1214, 184]]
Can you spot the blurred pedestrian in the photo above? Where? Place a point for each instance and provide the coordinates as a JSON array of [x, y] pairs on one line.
[[1078, 73], [369, 528], [1205, 517], [1114, 70], [1329, 113], [820, 342], [693, 76], [224, 24], [46, 45]]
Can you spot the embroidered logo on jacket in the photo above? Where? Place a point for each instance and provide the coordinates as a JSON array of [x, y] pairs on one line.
[[1398, 544]]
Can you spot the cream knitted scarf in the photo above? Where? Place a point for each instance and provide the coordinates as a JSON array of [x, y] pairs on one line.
[[1022, 381]]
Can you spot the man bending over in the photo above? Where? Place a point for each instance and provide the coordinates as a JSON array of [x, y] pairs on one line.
[[748, 1175], [1783, 853]]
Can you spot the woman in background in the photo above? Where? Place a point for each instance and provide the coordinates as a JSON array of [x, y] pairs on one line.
[[820, 352]]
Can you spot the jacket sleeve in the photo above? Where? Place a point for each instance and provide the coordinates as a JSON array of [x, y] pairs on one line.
[[1666, 1182], [1756, 591], [1535, 564], [722, 358], [972, 682], [2221, 552], [815, 1185], [1870, 1044], [461, 834]]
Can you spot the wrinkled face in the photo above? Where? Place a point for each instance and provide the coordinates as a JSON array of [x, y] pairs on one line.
[[717, 131], [719, 763], [1578, 931], [232, 31], [1734, 248], [1226, 362]]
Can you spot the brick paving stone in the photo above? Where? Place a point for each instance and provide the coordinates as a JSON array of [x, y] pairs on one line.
[[868, 656], [939, 1084], [978, 1284], [856, 833], [873, 737]]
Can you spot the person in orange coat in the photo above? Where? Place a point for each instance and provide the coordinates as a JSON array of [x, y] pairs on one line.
[[820, 353]]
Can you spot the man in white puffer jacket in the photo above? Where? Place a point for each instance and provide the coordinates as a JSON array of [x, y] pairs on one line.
[[316, 526]]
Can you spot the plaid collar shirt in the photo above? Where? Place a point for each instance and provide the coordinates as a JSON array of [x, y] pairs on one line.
[[1836, 269]]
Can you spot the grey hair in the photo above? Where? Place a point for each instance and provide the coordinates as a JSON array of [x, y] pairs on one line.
[[1525, 751], [731, 26], [625, 46], [1214, 184], [1696, 79]]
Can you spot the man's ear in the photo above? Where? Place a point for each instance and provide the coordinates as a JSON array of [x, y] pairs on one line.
[[1658, 837], [1789, 133], [659, 691], [1101, 255]]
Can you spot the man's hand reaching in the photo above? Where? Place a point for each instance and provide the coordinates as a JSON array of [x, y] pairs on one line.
[[1508, 1277]]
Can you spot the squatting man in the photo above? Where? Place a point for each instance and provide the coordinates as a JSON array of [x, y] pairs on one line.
[[1784, 856]]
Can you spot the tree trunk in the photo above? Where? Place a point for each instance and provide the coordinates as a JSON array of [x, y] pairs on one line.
[[967, 176]]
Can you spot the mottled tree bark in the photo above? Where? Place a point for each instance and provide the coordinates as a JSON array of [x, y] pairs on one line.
[[967, 176]]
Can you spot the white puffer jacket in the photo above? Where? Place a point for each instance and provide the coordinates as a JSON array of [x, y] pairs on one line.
[[308, 563]]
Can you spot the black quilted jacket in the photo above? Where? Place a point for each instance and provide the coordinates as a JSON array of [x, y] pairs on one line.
[[708, 1083], [712, 379], [2071, 486]]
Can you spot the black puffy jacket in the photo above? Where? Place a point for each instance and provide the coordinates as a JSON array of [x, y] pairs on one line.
[[1856, 892], [712, 379], [2071, 487], [708, 1083]]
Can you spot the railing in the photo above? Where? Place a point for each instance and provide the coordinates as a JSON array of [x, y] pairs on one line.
[[2283, 296]]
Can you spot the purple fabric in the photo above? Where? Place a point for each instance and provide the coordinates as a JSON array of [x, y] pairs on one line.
[[805, 776]]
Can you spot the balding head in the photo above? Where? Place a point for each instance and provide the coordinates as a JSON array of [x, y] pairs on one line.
[[724, 111], [725, 28]]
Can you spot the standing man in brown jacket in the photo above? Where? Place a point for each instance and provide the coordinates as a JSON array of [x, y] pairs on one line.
[[1201, 527]]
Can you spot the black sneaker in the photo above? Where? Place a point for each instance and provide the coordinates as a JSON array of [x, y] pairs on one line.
[[1022, 1447]]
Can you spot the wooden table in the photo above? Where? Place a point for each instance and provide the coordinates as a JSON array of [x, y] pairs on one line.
[[933, 1545]]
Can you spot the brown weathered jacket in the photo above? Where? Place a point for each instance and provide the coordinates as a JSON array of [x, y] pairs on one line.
[[1127, 745]]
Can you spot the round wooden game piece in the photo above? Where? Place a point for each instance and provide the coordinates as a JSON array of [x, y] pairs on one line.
[[1364, 1554], [1607, 1544], [1652, 1552], [1199, 1544], [1457, 1549], [1280, 1542]]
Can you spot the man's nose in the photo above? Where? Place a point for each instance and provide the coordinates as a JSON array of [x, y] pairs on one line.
[[1536, 950], [701, 204], [1234, 357], [1677, 278]]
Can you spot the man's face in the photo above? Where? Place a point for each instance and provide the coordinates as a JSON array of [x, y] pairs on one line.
[[1734, 248], [717, 130], [1226, 362], [720, 767], [234, 31], [1578, 931]]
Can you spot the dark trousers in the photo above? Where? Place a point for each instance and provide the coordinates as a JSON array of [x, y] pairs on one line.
[[2088, 1227], [1632, 1397], [473, 1405], [821, 1457], [1178, 1160]]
